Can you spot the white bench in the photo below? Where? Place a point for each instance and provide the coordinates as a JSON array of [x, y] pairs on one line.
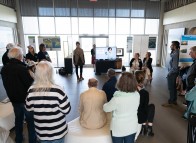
[[7, 117], [78, 134]]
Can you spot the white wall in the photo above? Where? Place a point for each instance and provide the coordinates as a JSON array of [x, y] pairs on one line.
[[182, 14], [7, 14]]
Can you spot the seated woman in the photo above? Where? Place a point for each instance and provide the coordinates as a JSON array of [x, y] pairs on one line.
[[124, 105], [146, 111], [31, 55], [91, 111], [147, 66], [135, 63]]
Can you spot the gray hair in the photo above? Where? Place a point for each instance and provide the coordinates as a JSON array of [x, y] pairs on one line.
[[92, 82], [43, 75], [15, 53], [9, 46]]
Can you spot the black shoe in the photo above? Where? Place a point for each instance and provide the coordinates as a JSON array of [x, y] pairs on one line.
[[149, 131], [143, 130]]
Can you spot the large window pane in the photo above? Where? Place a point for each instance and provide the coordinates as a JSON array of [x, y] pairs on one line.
[[74, 25], [46, 25], [85, 25], [123, 8], [122, 26], [112, 40], [45, 7], [137, 26], [137, 8], [152, 23], [112, 25], [100, 25], [30, 25], [63, 25]]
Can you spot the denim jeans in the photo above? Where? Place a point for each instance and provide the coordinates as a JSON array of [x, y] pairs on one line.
[[62, 140], [20, 112], [125, 139], [171, 80], [81, 69]]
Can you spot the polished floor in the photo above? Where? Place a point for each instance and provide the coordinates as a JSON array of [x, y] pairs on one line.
[[169, 127]]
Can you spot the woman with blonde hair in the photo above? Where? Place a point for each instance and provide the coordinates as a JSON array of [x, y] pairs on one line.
[[49, 104], [124, 106]]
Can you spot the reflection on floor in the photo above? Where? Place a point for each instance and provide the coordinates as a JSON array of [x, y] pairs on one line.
[[169, 127]]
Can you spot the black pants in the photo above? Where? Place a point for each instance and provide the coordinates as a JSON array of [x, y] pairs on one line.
[[191, 133], [81, 70], [151, 112]]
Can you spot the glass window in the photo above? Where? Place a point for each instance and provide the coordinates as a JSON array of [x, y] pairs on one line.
[[152, 23], [74, 25], [100, 25], [112, 40], [46, 25], [30, 25], [121, 42], [101, 42], [137, 26], [123, 8], [63, 25], [112, 25], [122, 25], [45, 7], [85, 25]]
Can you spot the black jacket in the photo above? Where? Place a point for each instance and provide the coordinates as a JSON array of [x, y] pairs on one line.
[[143, 106], [148, 64], [16, 80], [140, 63], [191, 75], [5, 58], [110, 87]]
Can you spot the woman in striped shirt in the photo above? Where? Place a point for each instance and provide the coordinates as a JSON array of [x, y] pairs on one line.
[[49, 104]]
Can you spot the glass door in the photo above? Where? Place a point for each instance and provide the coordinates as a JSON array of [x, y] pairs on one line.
[[86, 43]]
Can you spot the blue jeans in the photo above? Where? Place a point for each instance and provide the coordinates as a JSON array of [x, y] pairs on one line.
[[125, 139], [20, 112], [62, 140], [171, 80]]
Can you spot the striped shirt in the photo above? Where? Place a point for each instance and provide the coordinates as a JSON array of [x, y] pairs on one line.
[[50, 107]]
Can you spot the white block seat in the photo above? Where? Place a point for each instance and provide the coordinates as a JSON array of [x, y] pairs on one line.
[[7, 117], [78, 134]]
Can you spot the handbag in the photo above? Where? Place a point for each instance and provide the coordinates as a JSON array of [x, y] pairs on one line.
[[192, 119]]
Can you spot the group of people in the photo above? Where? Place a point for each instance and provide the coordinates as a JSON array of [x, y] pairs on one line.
[[117, 96], [146, 65], [190, 84]]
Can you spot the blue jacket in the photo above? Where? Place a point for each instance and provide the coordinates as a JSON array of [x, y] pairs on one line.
[[191, 96]]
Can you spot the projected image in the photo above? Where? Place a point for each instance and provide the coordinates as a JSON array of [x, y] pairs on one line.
[[106, 53]]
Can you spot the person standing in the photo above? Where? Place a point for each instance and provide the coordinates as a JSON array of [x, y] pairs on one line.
[[78, 58], [110, 86], [43, 54], [5, 58], [91, 111], [93, 55], [49, 104], [124, 107], [17, 80], [173, 73]]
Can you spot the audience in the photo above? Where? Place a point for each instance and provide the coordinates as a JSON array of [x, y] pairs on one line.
[[135, 63], [146, 111], [91, 111], [110, 86], [49, 104], [5, 58], [124, 106], [31, 55], [43, 54], [17, 80]]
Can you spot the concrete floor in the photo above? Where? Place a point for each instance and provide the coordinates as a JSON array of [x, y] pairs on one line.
[[169, 127]]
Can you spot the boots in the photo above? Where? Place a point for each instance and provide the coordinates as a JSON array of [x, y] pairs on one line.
[[143, 130], [81, 78], [149, 131]]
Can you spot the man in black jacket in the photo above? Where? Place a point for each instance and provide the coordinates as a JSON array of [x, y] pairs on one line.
[[17, 80], [5, 58]]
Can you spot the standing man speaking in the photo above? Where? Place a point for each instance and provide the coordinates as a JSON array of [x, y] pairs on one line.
[[173, 73]]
